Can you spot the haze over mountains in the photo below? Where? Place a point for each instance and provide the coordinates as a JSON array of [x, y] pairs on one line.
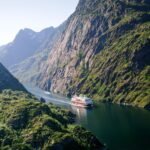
[[102, 50], [26, 43]]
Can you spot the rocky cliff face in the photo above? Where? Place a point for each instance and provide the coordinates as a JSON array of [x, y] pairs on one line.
[[103, 52], [7, 81], [80, 39]]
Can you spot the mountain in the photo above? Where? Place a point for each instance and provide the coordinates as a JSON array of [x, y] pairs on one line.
[[103, 52], [29, 69], [7, 81], [25, 44]]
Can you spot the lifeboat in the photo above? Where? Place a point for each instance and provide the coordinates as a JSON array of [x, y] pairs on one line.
[[81, 101]]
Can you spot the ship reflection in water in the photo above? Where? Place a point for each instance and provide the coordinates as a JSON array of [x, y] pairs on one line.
[[80, 112]]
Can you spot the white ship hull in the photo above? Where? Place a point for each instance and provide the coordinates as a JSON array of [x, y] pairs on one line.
[[82, 106], [83, 102]]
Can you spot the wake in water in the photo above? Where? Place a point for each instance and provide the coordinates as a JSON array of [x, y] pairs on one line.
[[49, 97]]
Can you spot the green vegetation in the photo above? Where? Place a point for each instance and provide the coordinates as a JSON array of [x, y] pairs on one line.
[[121, 70], [80, 55], [26, 124]]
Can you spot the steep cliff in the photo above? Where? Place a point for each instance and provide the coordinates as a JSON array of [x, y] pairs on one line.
[[103, 52]]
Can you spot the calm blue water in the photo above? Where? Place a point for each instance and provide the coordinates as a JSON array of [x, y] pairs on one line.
[[119, 127]]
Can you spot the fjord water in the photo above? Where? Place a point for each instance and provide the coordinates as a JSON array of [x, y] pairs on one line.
[[119, 127]]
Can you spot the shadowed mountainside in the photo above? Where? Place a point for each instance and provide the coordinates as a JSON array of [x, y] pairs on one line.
[[7, 81]]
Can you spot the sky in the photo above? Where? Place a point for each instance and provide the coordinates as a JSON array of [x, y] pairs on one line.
[[33, 14]]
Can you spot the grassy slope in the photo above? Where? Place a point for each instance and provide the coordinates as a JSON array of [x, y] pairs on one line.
[[25, 123], [120, 72]]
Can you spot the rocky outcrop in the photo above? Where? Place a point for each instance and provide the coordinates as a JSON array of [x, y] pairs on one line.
[[81, 40]]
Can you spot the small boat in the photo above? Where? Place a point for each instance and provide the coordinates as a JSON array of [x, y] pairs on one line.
[[46, 92], [81, 101]]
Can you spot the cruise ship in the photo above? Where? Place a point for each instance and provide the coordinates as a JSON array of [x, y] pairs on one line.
[[81, 101]]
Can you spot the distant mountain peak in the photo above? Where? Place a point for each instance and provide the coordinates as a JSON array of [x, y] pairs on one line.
[[24, 33], [48, 29], [26, 43]]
